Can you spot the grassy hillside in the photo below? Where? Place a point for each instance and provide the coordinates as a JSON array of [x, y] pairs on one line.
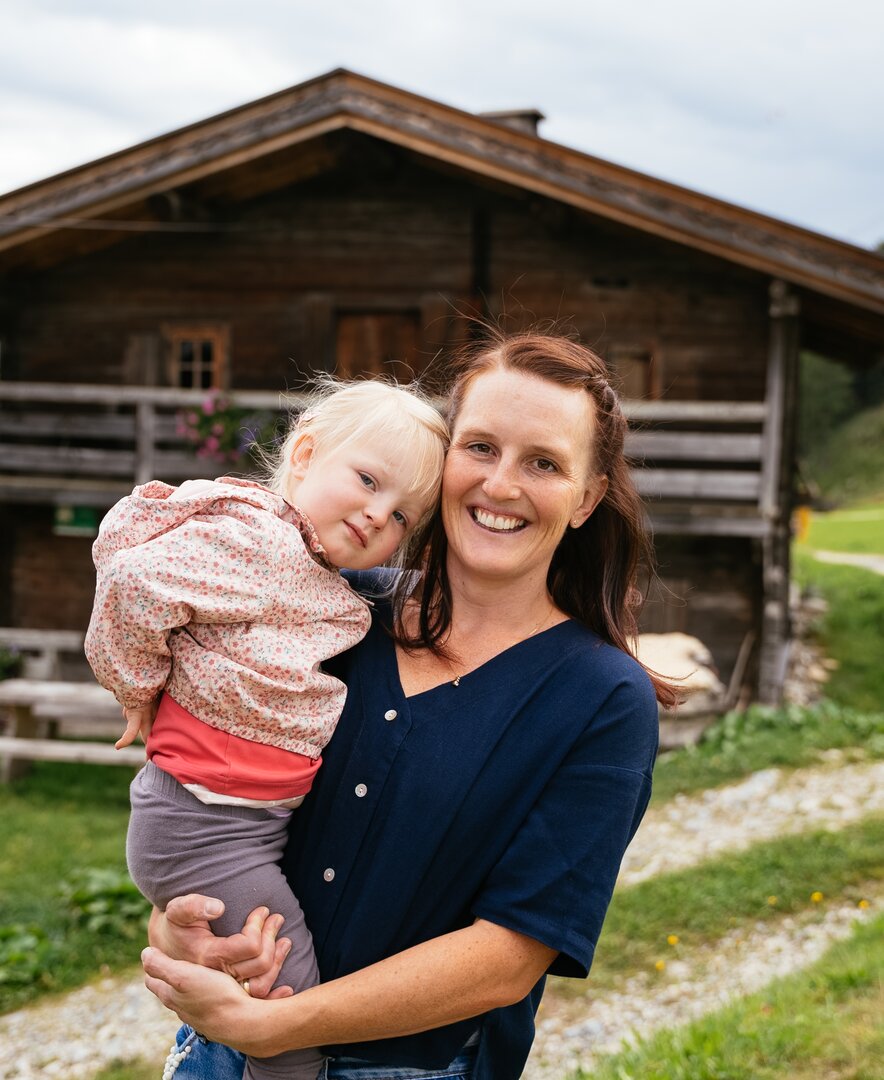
[[858, 529], [849, 464]]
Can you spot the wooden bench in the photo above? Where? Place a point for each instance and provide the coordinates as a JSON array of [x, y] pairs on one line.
[[29, 702], [41, 650]]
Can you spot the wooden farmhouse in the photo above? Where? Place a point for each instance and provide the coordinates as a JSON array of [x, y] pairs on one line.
[[349, 226]]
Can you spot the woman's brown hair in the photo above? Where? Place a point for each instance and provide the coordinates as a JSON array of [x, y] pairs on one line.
[[594, 573]]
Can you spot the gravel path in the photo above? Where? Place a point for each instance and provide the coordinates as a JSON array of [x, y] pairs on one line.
[[571, 1034], [72, 1037], [691, 828], [875, 563]]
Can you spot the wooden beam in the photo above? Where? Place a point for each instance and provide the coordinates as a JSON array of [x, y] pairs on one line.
[[145, 441], [718, 412], [84, 460], [692, 446], [666, 523], [714, 484], [775, 496], [98, 426], [17, 751], [170, 397]]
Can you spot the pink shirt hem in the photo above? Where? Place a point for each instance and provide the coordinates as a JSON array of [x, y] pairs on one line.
[[196, 753]]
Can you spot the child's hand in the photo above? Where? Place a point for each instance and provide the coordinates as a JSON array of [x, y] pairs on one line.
[[138, 722]]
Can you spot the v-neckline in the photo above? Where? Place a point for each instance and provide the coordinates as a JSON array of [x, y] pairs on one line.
[[476, 671]]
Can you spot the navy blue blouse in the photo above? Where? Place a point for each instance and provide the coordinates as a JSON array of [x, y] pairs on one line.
[[510, 797]]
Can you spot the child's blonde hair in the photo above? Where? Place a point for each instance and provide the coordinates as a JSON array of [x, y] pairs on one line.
[[339, 412]]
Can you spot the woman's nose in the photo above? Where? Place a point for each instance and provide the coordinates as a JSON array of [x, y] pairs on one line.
[[501, 482]]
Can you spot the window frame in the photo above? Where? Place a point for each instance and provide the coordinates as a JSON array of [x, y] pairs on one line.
[[175, 334]]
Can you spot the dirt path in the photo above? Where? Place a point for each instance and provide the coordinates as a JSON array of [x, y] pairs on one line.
[[875, 563]]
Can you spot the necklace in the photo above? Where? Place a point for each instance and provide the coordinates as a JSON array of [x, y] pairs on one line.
[[522, 637]]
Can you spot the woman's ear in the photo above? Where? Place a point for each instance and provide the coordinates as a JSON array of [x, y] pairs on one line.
[[591, 498]]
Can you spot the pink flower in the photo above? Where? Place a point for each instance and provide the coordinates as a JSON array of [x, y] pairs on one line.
[[212, 444], [192, 419], [209, 404], [217, 429]]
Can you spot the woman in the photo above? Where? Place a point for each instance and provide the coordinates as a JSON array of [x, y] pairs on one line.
[[492, 763]]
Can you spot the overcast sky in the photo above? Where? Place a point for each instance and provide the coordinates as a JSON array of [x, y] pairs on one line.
[[777, 105]]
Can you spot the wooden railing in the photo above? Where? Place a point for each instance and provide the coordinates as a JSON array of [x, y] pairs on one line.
[[93, 443], [700, 465]]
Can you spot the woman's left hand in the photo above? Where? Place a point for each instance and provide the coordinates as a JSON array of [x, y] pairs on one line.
[[213, 1003]]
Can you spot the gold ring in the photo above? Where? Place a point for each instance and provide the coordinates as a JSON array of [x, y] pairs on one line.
[[245, 985]]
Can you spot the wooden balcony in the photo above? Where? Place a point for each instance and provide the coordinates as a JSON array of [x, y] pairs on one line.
[[703, 467]]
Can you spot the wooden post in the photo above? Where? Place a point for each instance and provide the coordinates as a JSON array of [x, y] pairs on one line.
[[776, 488], [23, 725], [145, 441]]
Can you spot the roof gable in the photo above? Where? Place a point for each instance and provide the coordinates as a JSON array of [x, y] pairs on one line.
[[477, 144]]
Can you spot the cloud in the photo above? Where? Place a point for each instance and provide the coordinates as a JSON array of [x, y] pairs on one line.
[[768, 104]]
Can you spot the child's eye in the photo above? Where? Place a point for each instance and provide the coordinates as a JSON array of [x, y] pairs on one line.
[[400, 518], [367, 480]]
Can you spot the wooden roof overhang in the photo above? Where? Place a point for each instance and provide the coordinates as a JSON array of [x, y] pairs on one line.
[[480, 146]]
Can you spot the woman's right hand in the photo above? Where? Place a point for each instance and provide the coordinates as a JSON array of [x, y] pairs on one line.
[[183, 932]]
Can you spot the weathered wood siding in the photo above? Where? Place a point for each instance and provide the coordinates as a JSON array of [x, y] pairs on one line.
[[50, 580], [413, 240]]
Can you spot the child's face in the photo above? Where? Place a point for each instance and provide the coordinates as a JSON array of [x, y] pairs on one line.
[[359, 499]]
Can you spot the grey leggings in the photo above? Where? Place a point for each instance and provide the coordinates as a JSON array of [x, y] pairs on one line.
[[177, 845]]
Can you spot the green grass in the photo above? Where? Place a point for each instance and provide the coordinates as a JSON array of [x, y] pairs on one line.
[[57, 821], [852, 632], [820, 1024], [761, 738], [857, 529], [704, 902]]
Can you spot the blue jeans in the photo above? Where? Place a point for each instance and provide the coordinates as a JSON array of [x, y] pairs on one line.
[[205, 1060]]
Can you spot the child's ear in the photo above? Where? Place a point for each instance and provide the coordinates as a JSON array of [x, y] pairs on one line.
[[302, 455]]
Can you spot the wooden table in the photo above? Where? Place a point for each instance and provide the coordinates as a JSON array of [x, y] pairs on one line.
[[29, 703]]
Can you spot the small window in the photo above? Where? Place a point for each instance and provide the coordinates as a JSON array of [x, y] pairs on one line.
[[372, 342], [197, 356]]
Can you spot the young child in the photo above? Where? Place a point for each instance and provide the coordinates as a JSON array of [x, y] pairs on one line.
[[215, 605]]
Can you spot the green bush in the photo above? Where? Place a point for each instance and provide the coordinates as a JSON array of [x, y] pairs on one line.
[[763, 737], [825, 724], [10, 663], [105, 901], [26, 955]]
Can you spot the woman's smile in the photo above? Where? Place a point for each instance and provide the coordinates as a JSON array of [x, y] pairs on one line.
[[496, 522]]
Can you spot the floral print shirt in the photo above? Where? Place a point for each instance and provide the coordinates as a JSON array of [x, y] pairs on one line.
[[219, 593]]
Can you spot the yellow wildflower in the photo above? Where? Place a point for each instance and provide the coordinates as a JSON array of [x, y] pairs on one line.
[[863, 904], [672, 939], [660, 965], [816, 897], [772, 900]]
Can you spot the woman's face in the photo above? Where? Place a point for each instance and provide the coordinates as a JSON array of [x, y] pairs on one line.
[[518, 474]]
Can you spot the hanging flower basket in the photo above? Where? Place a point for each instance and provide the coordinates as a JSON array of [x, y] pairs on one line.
[[225, 433]]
